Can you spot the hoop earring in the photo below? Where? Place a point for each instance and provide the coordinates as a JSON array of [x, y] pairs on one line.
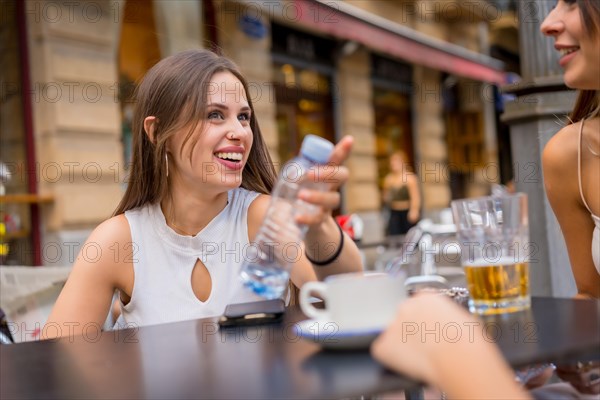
[[167, 163]]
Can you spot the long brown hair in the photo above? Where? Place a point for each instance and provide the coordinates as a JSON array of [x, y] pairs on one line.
[[588, 101], [175, 91]]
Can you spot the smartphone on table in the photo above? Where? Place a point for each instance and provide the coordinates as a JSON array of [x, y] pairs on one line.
[[253, 313]]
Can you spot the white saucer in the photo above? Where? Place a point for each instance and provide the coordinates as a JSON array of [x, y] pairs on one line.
[[331, 336]]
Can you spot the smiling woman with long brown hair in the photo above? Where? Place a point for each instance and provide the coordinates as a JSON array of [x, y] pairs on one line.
[[197, 194]]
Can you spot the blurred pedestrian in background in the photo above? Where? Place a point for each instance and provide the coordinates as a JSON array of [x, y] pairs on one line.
[[401, 195]]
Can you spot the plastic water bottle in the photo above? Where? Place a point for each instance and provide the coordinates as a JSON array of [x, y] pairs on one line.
[[267, 263]]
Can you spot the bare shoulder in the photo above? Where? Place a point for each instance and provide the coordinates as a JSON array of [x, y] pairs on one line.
[[256, 213], [113, 232], [259, 206], [113, 229], [561, 150], [108, 247], [559, 161], [412, 178], [387, 180], [97, 272]]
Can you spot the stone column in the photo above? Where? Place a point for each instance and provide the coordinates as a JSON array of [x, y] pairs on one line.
[[179, 25], [357, 118], [76, 118], [534, 117], [429, 127], [538, 56], [430, 136]]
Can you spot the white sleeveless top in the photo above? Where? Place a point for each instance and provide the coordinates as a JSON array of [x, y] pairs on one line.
[[164, 260], [595, 218]]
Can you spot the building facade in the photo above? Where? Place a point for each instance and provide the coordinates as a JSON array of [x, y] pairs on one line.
[[402, 75]]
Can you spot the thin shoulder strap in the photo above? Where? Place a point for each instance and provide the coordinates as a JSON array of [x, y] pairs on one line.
[[579, 168]]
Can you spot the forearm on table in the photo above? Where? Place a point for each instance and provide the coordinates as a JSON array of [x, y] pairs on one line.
[[587, 279], [585, 294], [323, 241]]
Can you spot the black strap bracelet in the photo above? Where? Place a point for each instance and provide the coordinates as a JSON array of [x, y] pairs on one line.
[[334, 255]]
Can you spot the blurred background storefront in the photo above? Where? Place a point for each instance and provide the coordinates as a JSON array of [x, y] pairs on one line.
[[416, 76]]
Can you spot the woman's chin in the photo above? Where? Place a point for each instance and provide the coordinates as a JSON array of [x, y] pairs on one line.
[[580, 81], [231, 181], [570, 82]]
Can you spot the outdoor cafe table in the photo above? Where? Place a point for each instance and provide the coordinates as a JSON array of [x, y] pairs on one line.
[[193, 359]]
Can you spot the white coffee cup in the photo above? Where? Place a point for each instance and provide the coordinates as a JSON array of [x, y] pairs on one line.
[[355, 301]]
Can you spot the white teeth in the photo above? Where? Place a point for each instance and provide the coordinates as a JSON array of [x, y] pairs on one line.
[[564, 52], [230, 156]]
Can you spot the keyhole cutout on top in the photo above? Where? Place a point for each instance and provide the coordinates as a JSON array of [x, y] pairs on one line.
[[201, 281]]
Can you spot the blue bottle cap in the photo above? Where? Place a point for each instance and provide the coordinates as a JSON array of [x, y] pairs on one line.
[[316, 149]]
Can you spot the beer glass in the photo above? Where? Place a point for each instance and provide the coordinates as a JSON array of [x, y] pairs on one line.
[[493, 233]]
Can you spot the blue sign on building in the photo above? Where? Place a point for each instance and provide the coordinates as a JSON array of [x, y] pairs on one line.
[[253, 27]]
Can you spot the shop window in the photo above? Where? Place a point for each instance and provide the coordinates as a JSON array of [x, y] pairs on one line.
[[304, 105], [303, 65], [466, 149], [393, 131], [392, 86], [465, 141]]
